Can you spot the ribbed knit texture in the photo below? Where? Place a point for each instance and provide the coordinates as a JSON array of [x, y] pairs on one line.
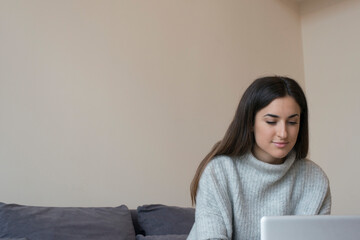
[[234, 193]]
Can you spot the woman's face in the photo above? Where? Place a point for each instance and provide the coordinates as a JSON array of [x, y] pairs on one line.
[[276, 129]]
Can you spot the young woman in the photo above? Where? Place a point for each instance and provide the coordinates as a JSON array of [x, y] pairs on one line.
[[259, 167]]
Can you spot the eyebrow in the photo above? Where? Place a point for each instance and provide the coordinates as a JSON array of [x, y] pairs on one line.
[[276, 116]]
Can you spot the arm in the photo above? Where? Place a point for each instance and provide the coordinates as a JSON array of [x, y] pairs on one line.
[[326, 206], [213, 214]]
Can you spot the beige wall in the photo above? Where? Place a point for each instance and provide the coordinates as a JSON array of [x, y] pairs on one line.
[[331, 37], [111, 102]]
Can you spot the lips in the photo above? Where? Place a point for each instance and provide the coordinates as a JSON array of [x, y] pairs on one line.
[[281, 144]]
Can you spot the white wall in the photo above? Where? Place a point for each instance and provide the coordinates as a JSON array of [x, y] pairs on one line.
[[331, 37], [116, 102]]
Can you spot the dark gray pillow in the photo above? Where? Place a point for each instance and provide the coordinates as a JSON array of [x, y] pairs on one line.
[[162, 237], [64, 223], [157, 219], [13, 239]]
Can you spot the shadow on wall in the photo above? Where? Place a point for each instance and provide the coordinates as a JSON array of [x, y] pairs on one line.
[[309, 6]]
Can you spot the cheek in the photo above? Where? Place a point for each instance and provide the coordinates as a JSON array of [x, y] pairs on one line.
[[262, 132]]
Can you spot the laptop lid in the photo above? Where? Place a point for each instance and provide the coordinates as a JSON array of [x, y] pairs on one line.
[[320, 227]]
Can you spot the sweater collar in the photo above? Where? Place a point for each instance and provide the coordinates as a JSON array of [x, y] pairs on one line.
[[267, 168]]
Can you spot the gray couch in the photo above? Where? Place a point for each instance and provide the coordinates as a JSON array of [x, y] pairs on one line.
[[147, 222]]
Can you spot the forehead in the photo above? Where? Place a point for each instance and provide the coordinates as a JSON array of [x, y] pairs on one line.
[[284, 106]]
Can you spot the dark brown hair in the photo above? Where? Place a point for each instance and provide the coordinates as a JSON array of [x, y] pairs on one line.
[[239, 139]]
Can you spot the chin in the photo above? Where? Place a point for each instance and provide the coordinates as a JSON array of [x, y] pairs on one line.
[[280, 155]]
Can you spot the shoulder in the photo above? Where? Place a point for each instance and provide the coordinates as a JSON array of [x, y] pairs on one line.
[[221, 161], [311, 171], [309, 166], [220, 167]]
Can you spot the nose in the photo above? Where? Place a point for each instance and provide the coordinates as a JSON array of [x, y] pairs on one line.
[[282, 131]]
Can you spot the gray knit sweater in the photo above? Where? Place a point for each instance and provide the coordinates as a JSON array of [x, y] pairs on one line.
[[234, 193]]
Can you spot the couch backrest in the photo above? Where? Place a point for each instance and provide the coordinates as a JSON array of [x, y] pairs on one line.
[[158, 219], [137, 227], [64, 223]]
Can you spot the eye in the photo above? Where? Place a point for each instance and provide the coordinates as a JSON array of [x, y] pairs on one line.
[[271, 122], [293, 122]]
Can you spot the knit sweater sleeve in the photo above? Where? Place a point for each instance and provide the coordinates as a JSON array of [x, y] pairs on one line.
[[213, 206], [326, 206], [315, 190]]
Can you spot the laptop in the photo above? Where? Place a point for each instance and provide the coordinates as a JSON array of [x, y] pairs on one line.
[[320, 227]]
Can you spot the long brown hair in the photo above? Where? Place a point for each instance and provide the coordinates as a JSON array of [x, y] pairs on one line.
[[239, 139]]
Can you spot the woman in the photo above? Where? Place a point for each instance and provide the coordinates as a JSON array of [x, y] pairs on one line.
[[259, 167]]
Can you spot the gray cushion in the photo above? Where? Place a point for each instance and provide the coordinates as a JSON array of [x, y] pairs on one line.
[[162, 237], [64, 223], [157, 219], [12, 238]]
